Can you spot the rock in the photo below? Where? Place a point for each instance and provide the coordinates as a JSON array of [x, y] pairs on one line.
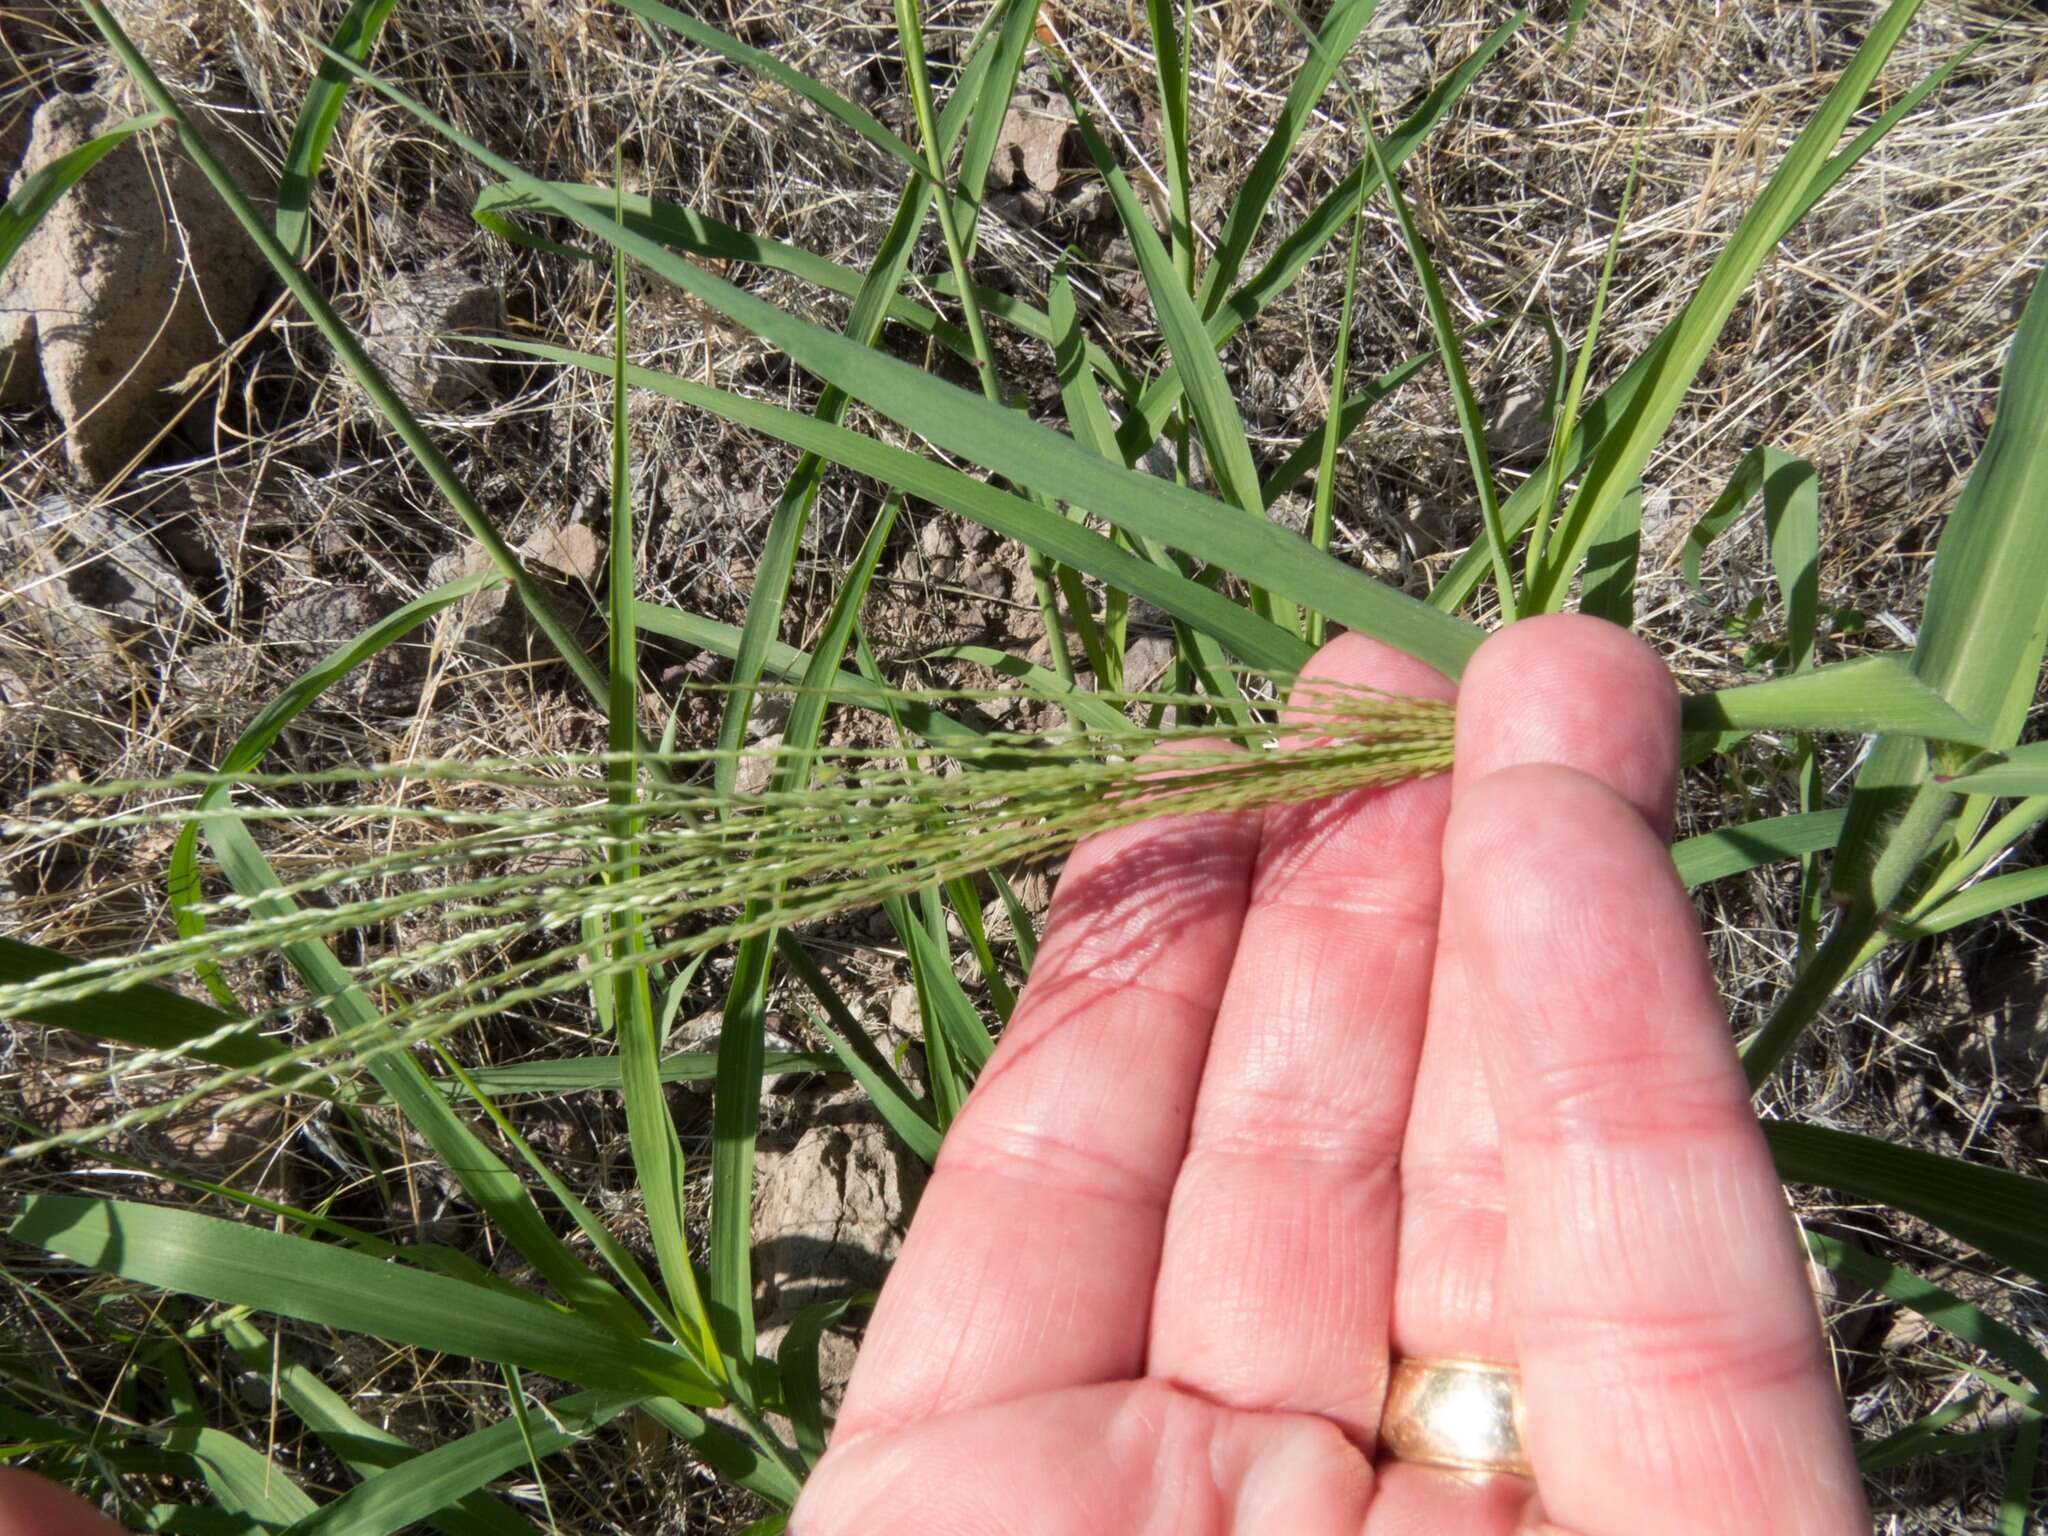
[[115, 302], [1028, 145], [1517, 425], [757, 764], [937, 540], [904, 1019], [1147, 660], [560, 555], [305, 629], [85, 581], [415, 325], [830, 1214]]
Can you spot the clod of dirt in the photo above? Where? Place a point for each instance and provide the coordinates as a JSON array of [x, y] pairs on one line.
[[135, 278], [831, 1213], [757, 764], [416, 323], [87, 581]]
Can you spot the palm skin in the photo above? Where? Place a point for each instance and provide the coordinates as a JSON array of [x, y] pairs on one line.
[[1434, 1070], [1437, 1070]]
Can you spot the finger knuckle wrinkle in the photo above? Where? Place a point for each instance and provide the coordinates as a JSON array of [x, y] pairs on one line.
[[1274, 1128], [1047, 1162], [1715, 1353], [1618, 1100]]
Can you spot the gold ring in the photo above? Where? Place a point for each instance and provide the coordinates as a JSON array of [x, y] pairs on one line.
[[1465, 1414]]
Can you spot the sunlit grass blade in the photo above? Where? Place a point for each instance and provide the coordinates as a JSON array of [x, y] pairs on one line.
[[150, 1017], [2003, 1215], [601, 1074], [1247, 210], [1980, 646], [848, 114], [737, 1098], [40, 189], [1323, 514], [1618, 461], [181, 883], [1029, 453], [911, 1118], [318, 1283], [1608, 589], [1864, 697], [350, 351], [1299, 246], [399, 1498], [242, 1480], [797, 1360], [1168, 23], [1250, 638], [1210, 399], [355, 36], [1726, 851], [2021, 771]]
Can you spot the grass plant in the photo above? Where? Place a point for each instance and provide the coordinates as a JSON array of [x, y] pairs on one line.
[[613, 877]]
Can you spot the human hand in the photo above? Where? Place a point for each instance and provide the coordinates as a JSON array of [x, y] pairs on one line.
[[1435, 1070]]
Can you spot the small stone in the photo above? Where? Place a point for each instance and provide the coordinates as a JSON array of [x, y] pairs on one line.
[[757, 765], [1395, 54], [1147, 660], [830, 1214], [562, 555], [937, 540], [416, 323], [85, 578], [1029, 144]]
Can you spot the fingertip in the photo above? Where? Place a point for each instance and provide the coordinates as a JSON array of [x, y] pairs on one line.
[[1576, 691], [32, 1506], [1359, 661]]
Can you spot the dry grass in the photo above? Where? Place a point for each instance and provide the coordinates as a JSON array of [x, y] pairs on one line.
[[1870, 345]]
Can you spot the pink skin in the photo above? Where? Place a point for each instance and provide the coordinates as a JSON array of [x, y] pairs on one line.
[[1431, 1069]]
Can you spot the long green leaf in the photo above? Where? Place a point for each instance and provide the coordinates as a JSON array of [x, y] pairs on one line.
[[1622, 453], [154, 1018], [1735, 850], [317, 1283], [1863, 697], [2022, 771], [242, 1478], [318, 114], [1247, 211], [393, 1500], [2002, 1214], [1026, 451]]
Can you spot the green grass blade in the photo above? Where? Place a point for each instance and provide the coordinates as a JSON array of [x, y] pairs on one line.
[[1249, 637], [737, 1099], [802, 1396], [2017, 1509], [1020, 449], [244, 1480], [1471, 427], [1248, 208], [182, 879], [2004, 1215], [1736, 850], [848, 114], [1300, 245], [483, 1176], [151, 1017], [1864, 697], [1022, 931], [908, 1116], [1456, 584], [725, 1453], [1323, 515], [318, 114], [394, 1500], [350, 351], [1622, 454], [1609, 588], [1946, 1310], [362, 1447], [1209, 396], [2022, 771], [1016, 21], [1168, 23], [1096, 713], [182, 1252], [965, 901], [39, 191], [1976, 902], [588, 1074], [1980, 647]]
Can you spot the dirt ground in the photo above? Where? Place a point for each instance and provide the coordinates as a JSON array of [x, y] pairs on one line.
[[273, 516]]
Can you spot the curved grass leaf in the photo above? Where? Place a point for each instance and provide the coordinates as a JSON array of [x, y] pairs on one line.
[[848, 114], [1729, 851], [244, 1480], [1976, 902], [318, 114], [1864, 697], [797, 1360], [2004, 1215], [224, 1261], [1247, 210], [1027, 452], [412, 1492], [151, 1017], [2021, 771]]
